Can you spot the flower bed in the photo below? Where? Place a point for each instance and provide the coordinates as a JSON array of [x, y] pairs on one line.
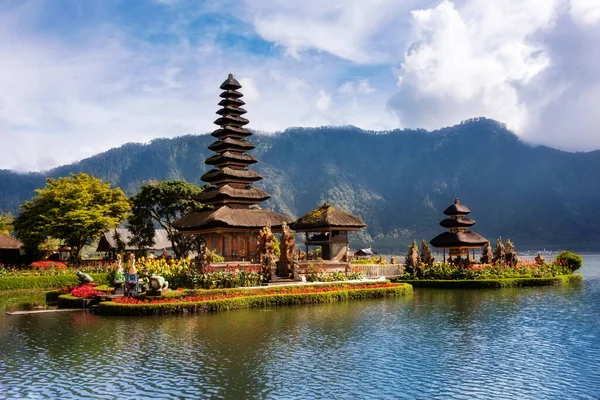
[[44, 265], [229, 299], [318, 274]]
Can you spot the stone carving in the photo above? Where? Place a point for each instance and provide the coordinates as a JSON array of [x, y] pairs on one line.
[[265, 249], [157, 285], [426, 256], [412, 264], [287, 251], [499, 252], [539, 259], [486, 253], [84, 278], [510, 255], [205, 258]]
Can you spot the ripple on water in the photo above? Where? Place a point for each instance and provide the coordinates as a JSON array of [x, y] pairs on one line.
[[527, 344]]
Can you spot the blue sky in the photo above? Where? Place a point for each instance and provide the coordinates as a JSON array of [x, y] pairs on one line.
[[80, 77]]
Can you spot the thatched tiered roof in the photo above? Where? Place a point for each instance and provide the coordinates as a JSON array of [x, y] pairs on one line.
[[235, 201], [327, 217], [230, 175], [9, 243], [459, 236]]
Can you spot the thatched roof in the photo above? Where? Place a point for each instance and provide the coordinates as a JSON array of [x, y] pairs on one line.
[[227, 192], [448, 240], [364, 253], [460, 222], [230, 83], [226, 217], [231, 143], [233, 131], [231, 120], [9, 243], [231, 174], [327, 217], [233, 109], [108, 241], [457, 209], [230, 157], [231, 94], [232, 102]]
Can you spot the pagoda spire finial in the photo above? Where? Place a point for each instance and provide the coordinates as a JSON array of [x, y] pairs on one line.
[[230, 76], [456, 201]]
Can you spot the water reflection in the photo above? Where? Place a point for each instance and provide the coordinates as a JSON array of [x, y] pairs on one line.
[[512, 343]]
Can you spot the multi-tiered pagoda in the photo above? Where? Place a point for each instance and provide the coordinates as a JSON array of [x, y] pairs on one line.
[[232, 227], [459, 239]]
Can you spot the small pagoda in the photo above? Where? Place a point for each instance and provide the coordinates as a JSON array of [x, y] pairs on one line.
[[231, 228], [459, 239], [328, 227]]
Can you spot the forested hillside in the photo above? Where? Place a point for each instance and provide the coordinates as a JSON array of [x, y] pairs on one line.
[[399, 182]]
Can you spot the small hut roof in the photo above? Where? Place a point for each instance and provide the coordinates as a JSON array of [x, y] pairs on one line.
[[460, 222], [327, 217], [448, 240], [364, 252], [108, 241], [9, 243], [226, 217], [457, 209], [228, 192]]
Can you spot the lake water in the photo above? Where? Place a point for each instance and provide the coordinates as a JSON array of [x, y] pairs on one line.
[[530, 343]]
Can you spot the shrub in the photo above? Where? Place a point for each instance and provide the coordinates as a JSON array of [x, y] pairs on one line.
[[570, 260], [46, 281]]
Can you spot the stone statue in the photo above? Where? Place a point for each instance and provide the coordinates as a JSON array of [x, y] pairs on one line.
[[288, 251], [412, 264], [486, 254], [84, 278], [157, 285], [205, 258], [132, 270], [539, 259], [265, 249], [510, 254], [499, 252], [426, 256]]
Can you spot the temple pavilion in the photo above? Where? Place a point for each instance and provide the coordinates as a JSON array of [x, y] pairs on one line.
[[328, 227], [459, 239], [231, 228]]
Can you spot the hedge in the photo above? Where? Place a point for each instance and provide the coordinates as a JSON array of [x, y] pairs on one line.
[[261, 301], [174, 294], [69, 301], [46, 281], [494, 283]]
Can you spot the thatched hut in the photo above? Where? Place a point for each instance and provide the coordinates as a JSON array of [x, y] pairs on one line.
[[10, 250], [458, 240], [328, 227], [231, 227], [109, 242]]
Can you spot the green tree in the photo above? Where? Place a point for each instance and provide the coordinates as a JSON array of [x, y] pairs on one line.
[[6, 223], [159, 204], [74, 209], [568, 259]]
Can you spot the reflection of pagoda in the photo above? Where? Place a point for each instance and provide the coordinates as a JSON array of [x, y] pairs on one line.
[[232, 227], [459, 239]]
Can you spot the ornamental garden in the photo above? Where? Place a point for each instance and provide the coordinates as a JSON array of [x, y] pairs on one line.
[[178, 248]]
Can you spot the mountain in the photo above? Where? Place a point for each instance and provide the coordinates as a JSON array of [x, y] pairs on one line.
[[399, 181]]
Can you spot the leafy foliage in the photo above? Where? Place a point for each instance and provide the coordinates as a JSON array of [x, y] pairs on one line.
[[75, 209], [161, 203], [570, 260], [6, 223]]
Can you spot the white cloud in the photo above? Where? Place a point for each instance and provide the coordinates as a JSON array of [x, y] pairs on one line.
[[323, 102], [585, 11], [363, 86]]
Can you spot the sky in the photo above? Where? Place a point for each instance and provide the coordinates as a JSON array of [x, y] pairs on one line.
[[78, 77]]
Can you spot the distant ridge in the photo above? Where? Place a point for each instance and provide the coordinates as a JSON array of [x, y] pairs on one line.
[[398, 181]]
